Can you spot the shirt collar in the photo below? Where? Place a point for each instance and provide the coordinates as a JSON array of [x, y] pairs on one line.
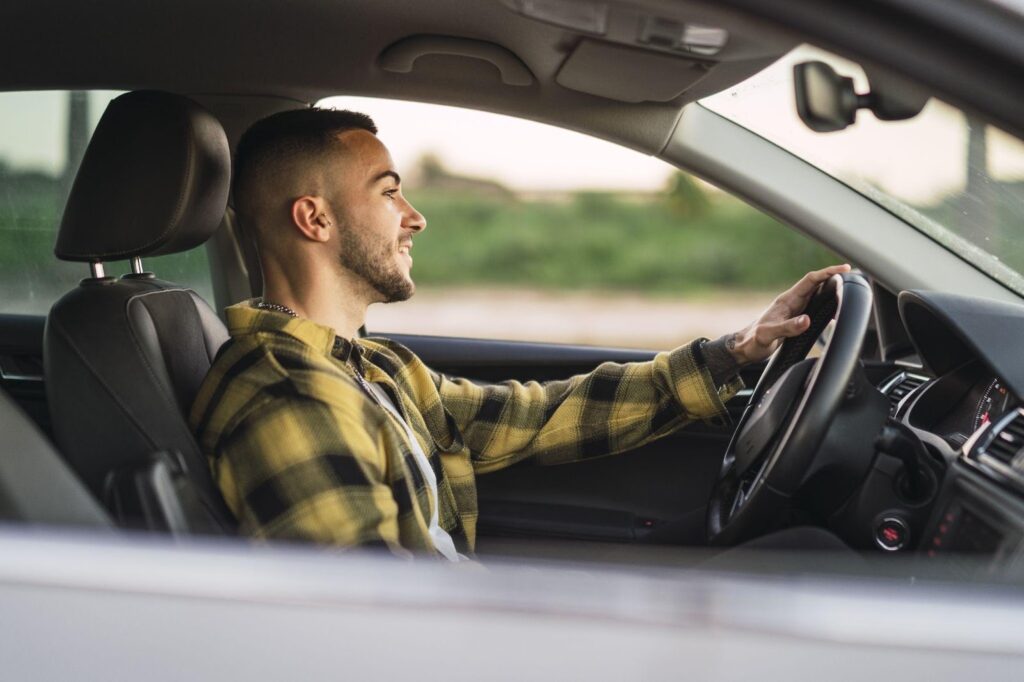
[[245, 318]]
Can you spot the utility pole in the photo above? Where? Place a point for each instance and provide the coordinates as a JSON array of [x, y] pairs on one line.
[[979, 212], [77, 137]]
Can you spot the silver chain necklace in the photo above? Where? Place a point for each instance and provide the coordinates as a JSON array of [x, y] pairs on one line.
[[276, 307]]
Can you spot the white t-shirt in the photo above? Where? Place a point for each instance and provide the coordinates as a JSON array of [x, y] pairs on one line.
[[442, 540]]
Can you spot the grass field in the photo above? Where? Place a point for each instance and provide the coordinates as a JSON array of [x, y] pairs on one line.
[[603, 269], [595, 241]]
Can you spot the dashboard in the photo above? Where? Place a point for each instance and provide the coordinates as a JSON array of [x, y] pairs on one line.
[[964, 403]]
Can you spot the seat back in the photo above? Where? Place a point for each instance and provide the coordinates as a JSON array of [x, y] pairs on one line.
[[124, 357]]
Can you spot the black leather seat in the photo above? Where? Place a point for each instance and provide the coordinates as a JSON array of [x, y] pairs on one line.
[[125, 357]]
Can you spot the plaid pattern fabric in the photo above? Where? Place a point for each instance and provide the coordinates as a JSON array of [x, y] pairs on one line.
[[300, 451]]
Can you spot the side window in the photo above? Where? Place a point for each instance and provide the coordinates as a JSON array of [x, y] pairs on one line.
[[541, 234], [43, 139]]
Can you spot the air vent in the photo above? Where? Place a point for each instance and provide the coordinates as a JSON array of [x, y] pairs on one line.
[[1006, 441], [899, 387]]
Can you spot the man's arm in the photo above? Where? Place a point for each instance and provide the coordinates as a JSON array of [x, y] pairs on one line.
[[616, 407], [301, 468], [619, 407]]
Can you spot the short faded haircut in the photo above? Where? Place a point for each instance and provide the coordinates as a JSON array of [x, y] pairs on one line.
[[279, 141]]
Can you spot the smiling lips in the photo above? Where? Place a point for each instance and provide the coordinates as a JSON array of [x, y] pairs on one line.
[[404, 250]]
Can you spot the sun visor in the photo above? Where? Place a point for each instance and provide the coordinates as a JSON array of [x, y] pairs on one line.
[[629, 74]]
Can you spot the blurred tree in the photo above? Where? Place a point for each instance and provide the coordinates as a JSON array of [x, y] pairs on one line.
[[430, 168], [685, 198], [595, 205], [431, 173]]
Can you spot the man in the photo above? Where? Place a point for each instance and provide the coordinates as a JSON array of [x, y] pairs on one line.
[[316, 434]]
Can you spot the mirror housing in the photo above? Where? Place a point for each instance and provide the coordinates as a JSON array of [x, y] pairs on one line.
[[892, 98], [827, 102]]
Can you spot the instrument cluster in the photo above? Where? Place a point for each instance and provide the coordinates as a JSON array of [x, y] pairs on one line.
[[958, 404]]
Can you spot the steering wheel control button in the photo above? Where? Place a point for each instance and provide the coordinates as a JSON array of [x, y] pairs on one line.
[[892, 533]]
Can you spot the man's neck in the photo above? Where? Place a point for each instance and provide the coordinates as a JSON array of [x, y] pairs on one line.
[[332, 297], [344, 314]]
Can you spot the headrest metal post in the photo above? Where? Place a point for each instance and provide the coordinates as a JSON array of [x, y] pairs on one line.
[[96, 267], [136, 265]]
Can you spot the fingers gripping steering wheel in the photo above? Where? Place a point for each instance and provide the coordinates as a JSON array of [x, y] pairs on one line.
[[789, 413]]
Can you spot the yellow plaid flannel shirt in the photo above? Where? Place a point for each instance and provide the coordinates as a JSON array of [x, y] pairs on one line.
[[300, 451]]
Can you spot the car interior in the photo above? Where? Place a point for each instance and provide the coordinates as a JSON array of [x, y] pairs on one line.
[[901, 438]]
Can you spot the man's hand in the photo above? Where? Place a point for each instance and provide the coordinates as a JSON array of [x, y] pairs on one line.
[[781, 320]]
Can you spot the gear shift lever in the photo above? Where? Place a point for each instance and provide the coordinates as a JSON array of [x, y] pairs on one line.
[[900, 441]]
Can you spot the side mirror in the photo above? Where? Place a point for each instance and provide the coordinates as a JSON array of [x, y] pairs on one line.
[[827, 102]]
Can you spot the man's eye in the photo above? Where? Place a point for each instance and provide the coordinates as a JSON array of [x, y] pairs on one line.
[[390, 194]]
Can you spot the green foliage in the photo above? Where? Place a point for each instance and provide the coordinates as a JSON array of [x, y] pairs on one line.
[[31, 277], [685, 197], [603, 241]]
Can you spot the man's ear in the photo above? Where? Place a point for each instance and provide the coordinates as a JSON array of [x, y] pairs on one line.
[[310, 217]]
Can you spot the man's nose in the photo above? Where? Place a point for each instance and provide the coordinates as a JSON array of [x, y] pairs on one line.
[[414, 220]]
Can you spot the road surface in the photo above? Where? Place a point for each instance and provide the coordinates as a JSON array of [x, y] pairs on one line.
[[626, 320]]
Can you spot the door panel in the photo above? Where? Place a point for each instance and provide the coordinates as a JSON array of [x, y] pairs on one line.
[[21, 364], [654, 495]]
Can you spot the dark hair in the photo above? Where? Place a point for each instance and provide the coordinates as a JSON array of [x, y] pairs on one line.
[[285, 136]]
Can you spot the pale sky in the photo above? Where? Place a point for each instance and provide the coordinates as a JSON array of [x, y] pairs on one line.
[[34, 125], [524, 155]]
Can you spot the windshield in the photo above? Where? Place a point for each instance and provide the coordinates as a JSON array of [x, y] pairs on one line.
[[946, 173]]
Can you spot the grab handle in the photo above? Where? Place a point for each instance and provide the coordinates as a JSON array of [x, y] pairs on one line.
[[401, 56]]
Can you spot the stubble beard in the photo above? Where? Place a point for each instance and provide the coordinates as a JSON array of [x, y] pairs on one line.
[[375, 263]]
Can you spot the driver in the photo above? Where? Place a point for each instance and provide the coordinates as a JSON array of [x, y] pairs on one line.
[[316, 434]]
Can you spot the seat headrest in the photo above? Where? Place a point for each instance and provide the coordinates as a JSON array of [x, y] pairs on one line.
[[154, 180]]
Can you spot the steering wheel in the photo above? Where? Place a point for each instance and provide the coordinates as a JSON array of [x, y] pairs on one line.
[[789, 413]]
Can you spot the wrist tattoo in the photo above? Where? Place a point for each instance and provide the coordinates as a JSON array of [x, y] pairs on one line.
[[722, 364]]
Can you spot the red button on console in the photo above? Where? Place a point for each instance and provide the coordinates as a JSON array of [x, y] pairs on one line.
[[892, 533]]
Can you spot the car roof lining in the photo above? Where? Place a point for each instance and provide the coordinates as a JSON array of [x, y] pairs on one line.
[[236, 47]]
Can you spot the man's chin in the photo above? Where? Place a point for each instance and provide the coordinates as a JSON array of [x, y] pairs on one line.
[[398, 294]]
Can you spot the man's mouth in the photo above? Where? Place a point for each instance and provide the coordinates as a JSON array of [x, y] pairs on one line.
[[404, 250]]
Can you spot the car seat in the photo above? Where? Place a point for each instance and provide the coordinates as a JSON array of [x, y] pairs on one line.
[[124, 357]]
